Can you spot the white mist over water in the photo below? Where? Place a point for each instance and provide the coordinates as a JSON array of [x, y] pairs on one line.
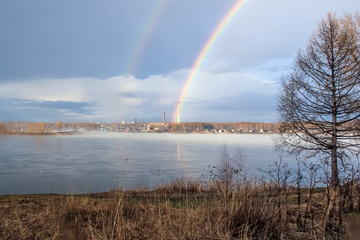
[[100, 161]]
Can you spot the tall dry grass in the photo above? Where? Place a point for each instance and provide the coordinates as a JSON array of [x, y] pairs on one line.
[[174, 211]]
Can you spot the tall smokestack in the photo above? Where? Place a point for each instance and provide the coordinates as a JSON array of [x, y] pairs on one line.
[[164, 118], [178, 120]]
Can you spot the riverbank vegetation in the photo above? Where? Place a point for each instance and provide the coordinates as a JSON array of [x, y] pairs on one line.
[[176, 211]]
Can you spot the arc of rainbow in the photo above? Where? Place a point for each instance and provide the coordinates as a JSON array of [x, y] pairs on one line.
[[205, 50], [140, 45]]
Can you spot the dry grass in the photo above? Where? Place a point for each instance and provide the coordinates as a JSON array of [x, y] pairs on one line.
[[181, 210]]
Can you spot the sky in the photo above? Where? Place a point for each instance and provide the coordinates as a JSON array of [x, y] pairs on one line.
[[117, 60]]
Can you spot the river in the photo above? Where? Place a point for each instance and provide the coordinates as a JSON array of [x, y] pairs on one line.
[[101, 161]]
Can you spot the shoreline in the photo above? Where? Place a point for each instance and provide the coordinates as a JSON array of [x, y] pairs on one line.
[[140, 132]]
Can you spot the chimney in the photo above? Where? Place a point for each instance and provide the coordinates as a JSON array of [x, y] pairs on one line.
[[164, 117]]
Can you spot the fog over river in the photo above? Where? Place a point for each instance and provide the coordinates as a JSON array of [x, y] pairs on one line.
[[100, 161]]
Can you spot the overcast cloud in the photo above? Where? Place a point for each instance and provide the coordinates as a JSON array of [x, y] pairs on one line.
[[115, 60]]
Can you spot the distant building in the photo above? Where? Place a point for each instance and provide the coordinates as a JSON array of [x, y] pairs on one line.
[[156, 126]]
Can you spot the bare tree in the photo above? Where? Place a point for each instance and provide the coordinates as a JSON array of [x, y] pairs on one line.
[[36, 128], [59, 125], [230, 173], [310, 183], [319, 103], [3, 128], [229, 176], [280, 177]]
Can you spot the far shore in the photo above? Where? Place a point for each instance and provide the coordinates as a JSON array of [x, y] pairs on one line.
[[65, 128]]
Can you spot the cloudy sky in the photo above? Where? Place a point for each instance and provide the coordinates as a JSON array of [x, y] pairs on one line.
[[116, 60]]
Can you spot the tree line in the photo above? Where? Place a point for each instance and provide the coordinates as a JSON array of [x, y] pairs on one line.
[[234, 126]]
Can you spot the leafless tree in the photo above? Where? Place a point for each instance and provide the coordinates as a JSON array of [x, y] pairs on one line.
[[280, 177], [229, 176], [59, 125], [36, 128], [311, 180], [3, 129], [230, 173], [319, 103]]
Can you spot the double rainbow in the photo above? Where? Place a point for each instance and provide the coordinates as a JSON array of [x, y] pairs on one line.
[[205, 50], [149, 27]]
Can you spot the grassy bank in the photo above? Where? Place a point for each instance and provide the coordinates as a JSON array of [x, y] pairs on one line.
[[184, 209]]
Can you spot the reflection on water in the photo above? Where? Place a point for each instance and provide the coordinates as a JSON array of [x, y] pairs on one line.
[[102, 161], [178, 151]]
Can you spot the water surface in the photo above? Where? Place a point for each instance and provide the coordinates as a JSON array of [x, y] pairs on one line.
[[96, 162]]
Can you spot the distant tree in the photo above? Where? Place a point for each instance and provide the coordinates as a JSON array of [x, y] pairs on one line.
[[59, 125], [42, 127], [319, 103], [3, 129], [36, 128], [30, 127]]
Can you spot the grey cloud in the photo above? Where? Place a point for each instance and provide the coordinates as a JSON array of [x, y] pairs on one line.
[[127, 94], [30, 110]]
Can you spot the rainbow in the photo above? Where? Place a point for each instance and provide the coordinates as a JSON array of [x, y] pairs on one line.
[[205, 50], [140, 45]]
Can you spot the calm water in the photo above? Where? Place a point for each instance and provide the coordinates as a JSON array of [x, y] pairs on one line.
[[96, 162]]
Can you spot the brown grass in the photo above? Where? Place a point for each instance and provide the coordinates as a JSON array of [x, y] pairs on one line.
[[180, 210]]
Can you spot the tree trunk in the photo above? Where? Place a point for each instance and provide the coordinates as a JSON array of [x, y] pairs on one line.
[[333, 214]]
